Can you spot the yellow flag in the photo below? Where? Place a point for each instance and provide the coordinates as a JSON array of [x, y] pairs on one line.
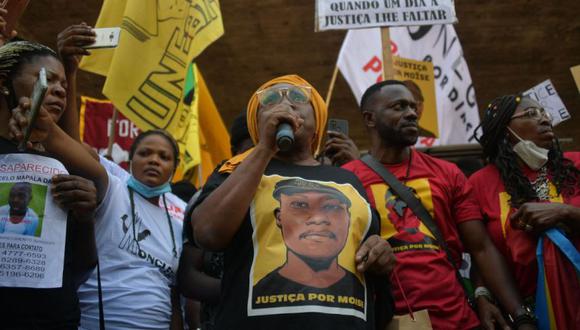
[[214, 136], [146, 73]]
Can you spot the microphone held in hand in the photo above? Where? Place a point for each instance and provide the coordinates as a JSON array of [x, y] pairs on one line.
[[284, 136]]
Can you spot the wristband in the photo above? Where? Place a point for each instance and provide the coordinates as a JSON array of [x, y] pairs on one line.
[[482, 291]]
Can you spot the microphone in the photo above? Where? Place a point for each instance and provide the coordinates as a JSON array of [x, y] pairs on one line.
[[284, 136]]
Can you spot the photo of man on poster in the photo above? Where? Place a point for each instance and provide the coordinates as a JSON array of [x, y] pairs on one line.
[[16, 217], [314, 221]]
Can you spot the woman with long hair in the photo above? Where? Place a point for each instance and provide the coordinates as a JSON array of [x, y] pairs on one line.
[[529, 195]]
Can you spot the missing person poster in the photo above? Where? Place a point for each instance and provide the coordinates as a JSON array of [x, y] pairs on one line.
[[32, 227], [306, 234]]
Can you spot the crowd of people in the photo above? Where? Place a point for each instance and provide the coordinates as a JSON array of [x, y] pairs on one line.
[[277, 238]]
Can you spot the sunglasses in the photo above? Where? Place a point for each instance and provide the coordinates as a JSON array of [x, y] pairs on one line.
[[297, 95], [533, 113]]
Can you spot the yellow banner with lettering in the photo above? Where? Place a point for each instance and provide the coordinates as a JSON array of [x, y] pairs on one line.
[[146, 73]]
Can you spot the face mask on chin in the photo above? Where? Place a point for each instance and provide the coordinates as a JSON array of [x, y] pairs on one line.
[[535, 157], [146, 191]]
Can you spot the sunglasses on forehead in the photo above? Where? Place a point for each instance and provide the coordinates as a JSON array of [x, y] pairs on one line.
[[274, 95]]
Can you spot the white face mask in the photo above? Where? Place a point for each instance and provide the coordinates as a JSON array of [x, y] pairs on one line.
[[535, 157]]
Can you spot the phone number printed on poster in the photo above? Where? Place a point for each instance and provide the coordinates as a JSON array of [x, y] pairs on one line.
[[32, 227]]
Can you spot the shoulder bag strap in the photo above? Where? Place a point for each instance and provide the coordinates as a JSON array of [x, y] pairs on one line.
[[412, 201]]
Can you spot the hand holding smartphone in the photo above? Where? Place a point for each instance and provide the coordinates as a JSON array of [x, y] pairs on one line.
[[338, 125], [36, 100]]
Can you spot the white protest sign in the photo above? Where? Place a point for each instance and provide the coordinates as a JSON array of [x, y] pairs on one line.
[[360, 63], [356, 14], [32, 227], [545, 94]]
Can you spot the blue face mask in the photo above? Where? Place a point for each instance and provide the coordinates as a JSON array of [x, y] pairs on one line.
[[146, 191]]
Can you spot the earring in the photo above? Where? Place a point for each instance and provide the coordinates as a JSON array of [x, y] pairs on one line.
[[5, 91]]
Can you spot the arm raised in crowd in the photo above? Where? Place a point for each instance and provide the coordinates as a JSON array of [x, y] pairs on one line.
[[70, 44], [60, 145], [217, 219]]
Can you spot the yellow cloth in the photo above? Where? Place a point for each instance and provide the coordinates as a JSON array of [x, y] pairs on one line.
[[150, 73], [320, 116]]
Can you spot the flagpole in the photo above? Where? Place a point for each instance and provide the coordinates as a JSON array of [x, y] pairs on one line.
[[388, 72], [113, 133], [331, 86]]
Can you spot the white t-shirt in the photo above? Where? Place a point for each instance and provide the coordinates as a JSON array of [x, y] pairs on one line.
[[136, 258], [26, 227]]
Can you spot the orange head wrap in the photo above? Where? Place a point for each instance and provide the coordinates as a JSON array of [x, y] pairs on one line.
[[320, 116]]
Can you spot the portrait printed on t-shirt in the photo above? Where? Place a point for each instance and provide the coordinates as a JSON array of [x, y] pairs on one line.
[[22, 208], [399, 225], [306, 234]]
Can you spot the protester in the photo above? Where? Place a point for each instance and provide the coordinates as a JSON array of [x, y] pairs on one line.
[[57, 308], [138, 232], [427, 272], [531, 188], [200, 271], [236, 213], [138, 224]]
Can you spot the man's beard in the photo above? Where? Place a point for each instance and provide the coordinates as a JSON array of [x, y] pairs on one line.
[[395, 137]]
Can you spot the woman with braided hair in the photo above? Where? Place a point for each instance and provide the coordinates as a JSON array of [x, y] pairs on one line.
[[24, 305], [529, 195]]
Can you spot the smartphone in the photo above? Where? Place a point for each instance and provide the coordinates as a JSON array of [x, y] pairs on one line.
[[15, 9], [105, 38], [36, 100], [338, 125]]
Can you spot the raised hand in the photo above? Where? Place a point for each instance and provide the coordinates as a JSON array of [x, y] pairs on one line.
[[70, 44]]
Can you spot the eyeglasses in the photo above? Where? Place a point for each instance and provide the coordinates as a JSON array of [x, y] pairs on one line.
[[534, 113], [295, 94]]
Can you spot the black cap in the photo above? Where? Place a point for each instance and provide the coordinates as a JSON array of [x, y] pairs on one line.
[[293, 186]]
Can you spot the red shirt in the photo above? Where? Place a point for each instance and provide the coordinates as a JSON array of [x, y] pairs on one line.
[[517, 246], [427, 278]]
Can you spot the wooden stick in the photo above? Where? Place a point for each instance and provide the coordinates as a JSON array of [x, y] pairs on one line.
[[331, 86], [388, 72], [113, 130]]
